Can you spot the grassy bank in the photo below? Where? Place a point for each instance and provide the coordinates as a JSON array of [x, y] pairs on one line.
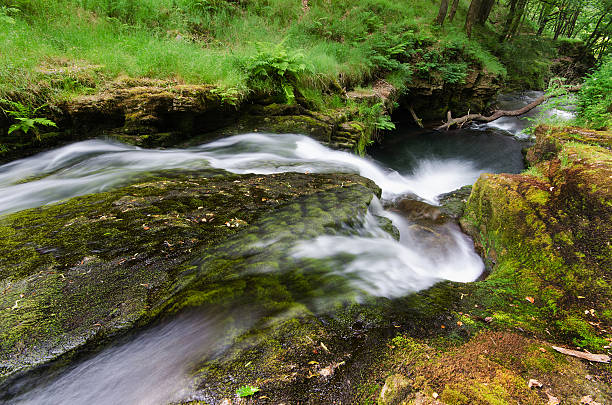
[[60, 48]]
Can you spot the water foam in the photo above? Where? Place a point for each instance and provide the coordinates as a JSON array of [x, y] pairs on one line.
[[380, 266], [94, 166]]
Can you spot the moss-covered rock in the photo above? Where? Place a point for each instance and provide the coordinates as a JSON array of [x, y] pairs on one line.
[[549, 238], [82, 270], [491, 368]]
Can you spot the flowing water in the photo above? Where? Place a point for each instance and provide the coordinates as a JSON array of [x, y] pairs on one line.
[[149, 368]]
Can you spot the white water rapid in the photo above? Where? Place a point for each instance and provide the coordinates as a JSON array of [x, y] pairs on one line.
[[97, 165]]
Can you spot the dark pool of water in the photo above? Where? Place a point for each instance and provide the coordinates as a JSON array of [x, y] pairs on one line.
[[487, 150]]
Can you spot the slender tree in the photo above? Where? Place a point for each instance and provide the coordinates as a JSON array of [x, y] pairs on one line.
[[442, 12], [471, 16], [484, 11], [509, 19], [453, 10]]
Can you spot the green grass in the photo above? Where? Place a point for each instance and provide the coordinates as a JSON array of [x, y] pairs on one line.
[[210, 41]]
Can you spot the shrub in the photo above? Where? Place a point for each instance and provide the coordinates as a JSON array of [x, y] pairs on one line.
[[595, 98]]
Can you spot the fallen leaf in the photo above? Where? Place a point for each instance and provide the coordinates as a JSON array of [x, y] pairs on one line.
[[459, 323], [530, 299], [543, 350], [600, 358], [489, 319], [435, 395], [534, 383], [326, 372], [324, 347]]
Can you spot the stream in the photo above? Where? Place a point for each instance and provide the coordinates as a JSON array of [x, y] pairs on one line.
[[151, 367]]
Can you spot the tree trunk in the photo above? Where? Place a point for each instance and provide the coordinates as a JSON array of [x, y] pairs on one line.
[[442, 12], [453, 10], [471, 16], [590, 40], [518, 17], [485, 10], [498, 113], [572, 24], [509, 19], [560, 18]]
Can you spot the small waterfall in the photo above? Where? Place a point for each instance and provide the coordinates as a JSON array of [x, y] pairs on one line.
[[516, 126]]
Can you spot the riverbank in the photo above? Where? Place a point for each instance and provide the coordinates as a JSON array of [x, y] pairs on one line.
[[157, 76]]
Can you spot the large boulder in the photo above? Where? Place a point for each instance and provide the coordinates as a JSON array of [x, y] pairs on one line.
[[78, 272], [548, 234]]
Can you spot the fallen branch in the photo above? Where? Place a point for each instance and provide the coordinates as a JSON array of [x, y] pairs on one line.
[[415, 117], [499, 113], [601, 358]]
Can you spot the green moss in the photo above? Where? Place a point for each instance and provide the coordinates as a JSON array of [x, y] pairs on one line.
[[453, 397], [94, 265], [547, 237]]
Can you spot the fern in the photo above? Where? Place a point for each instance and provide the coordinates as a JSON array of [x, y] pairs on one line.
[[6, 14], [275, 68], [25, 115], [26, 124]]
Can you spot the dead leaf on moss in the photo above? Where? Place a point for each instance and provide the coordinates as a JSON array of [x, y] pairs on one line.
[[588, 400], [534, 383]]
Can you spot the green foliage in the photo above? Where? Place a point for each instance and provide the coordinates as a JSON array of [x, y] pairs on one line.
[[275, 68], [595, 98], [246, 391], [584, 335], [25, 115], [375, 119], [345, 44], [526, 59], [560, 98], [7, 13], [534, 171]]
